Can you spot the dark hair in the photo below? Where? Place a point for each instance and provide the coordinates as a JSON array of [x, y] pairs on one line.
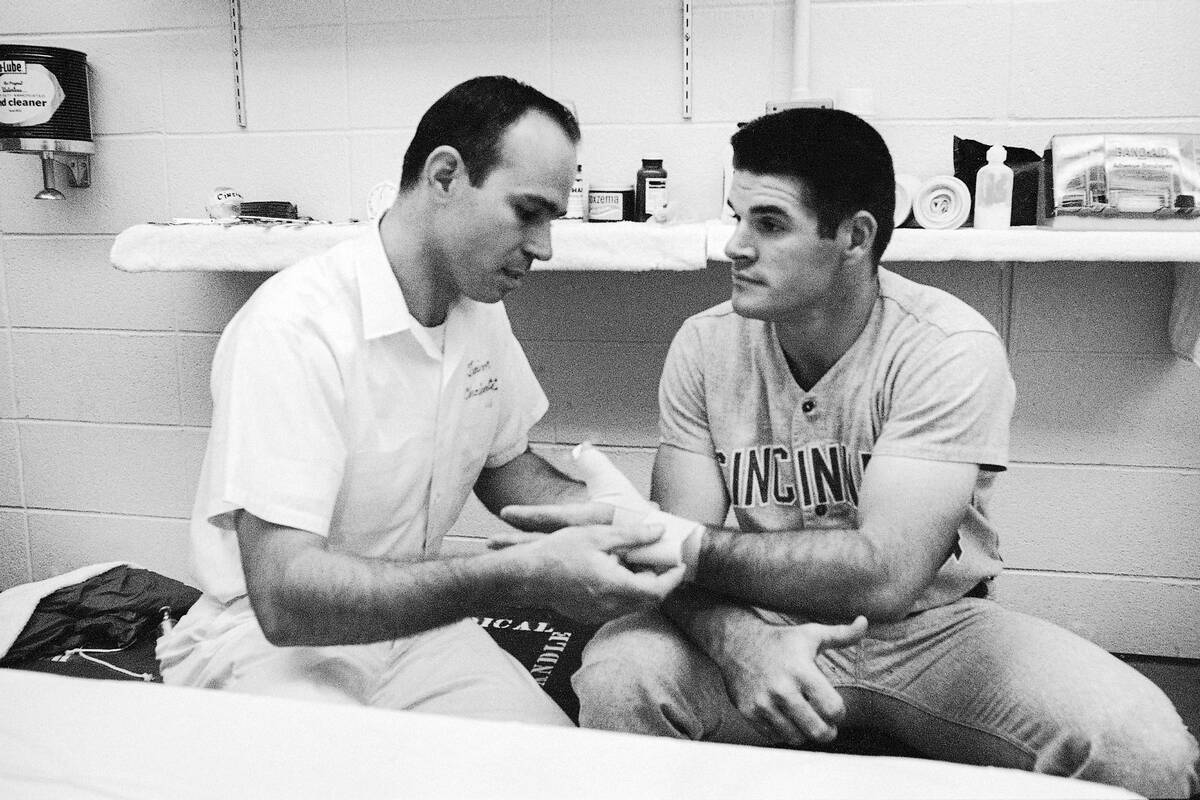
[[473, 118], [842, 162]]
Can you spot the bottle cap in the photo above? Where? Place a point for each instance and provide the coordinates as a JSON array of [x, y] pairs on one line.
[[996, 154]]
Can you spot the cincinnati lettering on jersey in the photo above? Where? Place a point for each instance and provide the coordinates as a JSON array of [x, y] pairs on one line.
[[816, 475]]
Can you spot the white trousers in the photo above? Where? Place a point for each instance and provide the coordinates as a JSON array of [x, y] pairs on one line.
[[455, 670]]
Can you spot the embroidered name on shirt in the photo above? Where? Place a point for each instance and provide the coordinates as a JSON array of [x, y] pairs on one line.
[[479, 379], [819, 474]]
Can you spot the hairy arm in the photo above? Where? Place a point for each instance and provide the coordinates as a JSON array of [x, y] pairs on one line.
[[304, 593], [527, 479], [909, 511]]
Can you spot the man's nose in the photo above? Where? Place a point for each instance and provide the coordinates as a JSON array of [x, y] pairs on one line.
[[738, 247], [537, 243]]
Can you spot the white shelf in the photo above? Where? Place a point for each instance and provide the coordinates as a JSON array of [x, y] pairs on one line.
[[629, 246], [271, 247], [1025, 243]]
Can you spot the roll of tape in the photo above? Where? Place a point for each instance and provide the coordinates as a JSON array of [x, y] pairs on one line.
[[224, 203], [381, 197], [907, 187], [942, 203]]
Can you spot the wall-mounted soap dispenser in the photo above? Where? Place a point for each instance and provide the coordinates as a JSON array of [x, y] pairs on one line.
[[44, 111]]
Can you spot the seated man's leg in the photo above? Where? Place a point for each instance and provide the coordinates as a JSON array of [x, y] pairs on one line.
[[978, 683], [458, 670], [222, 647], [641, 675]]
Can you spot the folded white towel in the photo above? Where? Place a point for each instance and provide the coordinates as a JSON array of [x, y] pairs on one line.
[[272, 247]]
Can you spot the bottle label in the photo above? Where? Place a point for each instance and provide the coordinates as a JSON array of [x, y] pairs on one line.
[[656, 194], [576, 201]]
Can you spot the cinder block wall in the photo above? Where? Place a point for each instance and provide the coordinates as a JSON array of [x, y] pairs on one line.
[[104, 400]]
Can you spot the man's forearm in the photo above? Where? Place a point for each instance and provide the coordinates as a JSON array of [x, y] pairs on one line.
[[827, 575], [328, 597], [706, 617], [528, 479]]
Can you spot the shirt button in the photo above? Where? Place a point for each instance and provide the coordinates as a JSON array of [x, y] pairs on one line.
[[808, 406]]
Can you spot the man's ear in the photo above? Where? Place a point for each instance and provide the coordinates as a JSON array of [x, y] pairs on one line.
[[862, 229], [442, 167]]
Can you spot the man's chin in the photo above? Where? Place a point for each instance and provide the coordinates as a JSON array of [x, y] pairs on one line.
[[743, 306]]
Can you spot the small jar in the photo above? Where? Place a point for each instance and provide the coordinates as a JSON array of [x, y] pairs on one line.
[[610, 203]]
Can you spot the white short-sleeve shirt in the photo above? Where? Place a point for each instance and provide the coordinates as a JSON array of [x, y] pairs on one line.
[[336, 413]]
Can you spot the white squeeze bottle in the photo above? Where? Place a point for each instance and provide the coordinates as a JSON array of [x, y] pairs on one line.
[[993, 191]]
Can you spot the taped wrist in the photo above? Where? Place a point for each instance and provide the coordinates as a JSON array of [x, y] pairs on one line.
[[680, 543]]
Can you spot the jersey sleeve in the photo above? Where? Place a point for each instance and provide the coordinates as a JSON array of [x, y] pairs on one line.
[[952, 402], [276, 447], [683, 413], [524, 401]]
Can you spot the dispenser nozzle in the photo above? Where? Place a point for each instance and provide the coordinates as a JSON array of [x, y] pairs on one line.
[[48, 193]]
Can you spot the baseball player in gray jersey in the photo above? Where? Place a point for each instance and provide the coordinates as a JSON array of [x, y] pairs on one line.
[[855, 423]]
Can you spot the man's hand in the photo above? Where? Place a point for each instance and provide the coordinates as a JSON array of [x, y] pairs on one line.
[[612, 497], [772, 677], [607, 484], [577, 570]]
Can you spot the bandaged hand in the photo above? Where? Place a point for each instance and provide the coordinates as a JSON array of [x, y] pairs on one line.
[[607, 484], [680, 542]]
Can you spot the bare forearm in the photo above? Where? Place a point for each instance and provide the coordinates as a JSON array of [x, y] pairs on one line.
[[325, 597], [828, 575], [706, 617], [527, 480]]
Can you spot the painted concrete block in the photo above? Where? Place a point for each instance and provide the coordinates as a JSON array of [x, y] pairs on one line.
[[67, 282], [14, 549], [1099, 519], [979, 285], [10, 465], [614, 307], [59, 543], [198, 76], [1089, 307], [127, 188], [397, 70], [111, 15], [96, 377], [1105, 58], [291, 13], [375, 157], [8, 403], [286, 92], [124, 92], [1101, 408], [606, 391], [261, 168], [943, 60], [732, 60], [120, 469], [195, 369], [619, 60], [204, 302], [1122, 615], [373, 11], [540, 356]]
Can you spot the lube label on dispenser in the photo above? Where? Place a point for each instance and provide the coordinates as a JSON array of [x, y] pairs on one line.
[[29, 93]]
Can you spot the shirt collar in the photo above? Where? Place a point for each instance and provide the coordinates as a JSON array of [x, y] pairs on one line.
[[384, 310]]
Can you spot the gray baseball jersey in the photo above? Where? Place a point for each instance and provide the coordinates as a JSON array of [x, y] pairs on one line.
[[927, 378]]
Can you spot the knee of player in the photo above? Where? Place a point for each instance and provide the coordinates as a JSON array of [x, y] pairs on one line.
[[1155, 757]]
